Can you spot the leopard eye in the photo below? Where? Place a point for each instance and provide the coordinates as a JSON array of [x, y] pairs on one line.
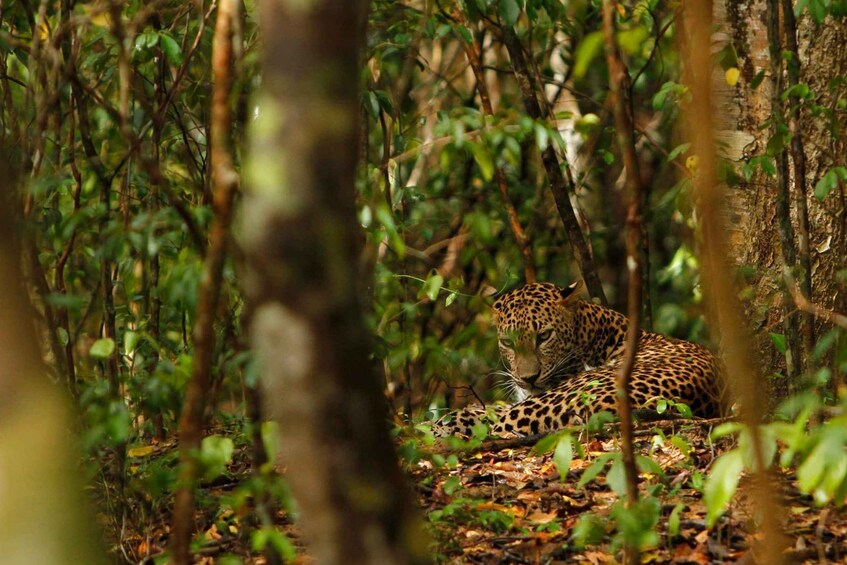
[[507, 342], [541, 337]]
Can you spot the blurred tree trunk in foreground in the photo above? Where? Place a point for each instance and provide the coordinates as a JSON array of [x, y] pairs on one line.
[[43, 512], [796, 137], [301, 242]]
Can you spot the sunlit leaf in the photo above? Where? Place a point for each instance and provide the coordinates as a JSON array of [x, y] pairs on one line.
[[586, 51], [721, 483], [102, 348], [510, 10]]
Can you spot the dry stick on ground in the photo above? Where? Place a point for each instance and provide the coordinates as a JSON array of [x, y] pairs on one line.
[[798, 157], [619, 88], [473, 52], [695, 31], [558, 186], [225, 183], [794, 356]]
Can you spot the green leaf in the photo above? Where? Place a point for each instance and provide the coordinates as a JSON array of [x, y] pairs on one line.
[[270, 439], [757, 79], [510, 11], [647, 465], [779, 342], [465, 34], [674, 521], [102, 348], [451, 298], [563, 455], [215, 453], [483, 158], [131, 341], [171, 48], [432, 286], [721, 484], [683, 409], [588, 530], [677, 151], [616, 477], [271, 536], [826, 185], [594, 469], [451, 484], [586, 51], [63, 336]]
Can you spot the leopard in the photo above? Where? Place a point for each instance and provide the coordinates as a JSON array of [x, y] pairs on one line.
[[562, 355]]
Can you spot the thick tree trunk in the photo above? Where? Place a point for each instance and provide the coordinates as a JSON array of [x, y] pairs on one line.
[[752, 205], [301, 242], [43, 510]]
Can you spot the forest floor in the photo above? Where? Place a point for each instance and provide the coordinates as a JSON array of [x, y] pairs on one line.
[[503, 502]]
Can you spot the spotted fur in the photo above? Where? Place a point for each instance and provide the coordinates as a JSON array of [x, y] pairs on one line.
[[563, 355]]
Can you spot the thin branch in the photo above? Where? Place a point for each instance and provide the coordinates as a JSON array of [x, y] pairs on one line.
[[619, 87], [809, 307], [558, 187], [473, 52]]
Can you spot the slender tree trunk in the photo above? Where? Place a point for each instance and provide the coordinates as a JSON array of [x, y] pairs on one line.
[[619, 87], [560, 189], [742, 376], [301, 244], [224, 182]]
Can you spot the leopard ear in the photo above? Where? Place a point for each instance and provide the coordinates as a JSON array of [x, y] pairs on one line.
[[570, 293]]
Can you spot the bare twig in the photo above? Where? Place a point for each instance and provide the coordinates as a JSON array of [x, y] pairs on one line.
[[809, 307]]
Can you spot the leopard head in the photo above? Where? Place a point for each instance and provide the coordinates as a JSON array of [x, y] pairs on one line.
[[536, 333]]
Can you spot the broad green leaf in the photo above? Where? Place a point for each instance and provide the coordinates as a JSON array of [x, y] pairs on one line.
[[102, 348], [131, 340], [674, 521], [510, 11], [586, 51], [595, 468], [616, 477], [826, 185], [216, 453], [678, 150], [432, 286], [779, 342], [451, 484], [171, 48], [721, 484], [563, 455], [483, 158], [588, 530]]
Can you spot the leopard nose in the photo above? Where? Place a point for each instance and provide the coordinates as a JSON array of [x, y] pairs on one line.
[[532, 379]]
